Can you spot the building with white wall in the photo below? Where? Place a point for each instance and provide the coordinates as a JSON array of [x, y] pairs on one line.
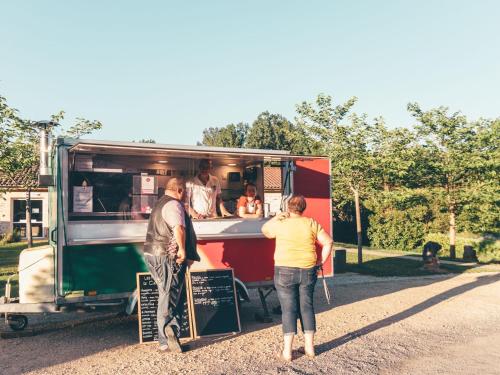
[[13, 205]]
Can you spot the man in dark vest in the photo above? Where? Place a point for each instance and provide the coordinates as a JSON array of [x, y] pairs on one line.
[[169, 249]]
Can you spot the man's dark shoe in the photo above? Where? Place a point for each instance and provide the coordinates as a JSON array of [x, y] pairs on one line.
[[173, 342]]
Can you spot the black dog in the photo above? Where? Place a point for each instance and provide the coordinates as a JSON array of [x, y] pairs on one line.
[[429, 255]]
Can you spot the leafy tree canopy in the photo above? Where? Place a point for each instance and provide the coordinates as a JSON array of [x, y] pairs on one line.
[[19, 138], [232, 135]]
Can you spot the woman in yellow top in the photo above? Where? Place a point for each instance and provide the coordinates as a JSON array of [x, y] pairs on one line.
[[295, 270]]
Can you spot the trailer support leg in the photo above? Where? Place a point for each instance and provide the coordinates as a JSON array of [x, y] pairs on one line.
[[266, 318]]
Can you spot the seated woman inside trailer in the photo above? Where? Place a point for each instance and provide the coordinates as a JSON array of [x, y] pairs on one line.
[[250, 204]]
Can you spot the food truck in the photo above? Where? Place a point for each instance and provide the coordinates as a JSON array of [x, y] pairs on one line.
[[101, 194]]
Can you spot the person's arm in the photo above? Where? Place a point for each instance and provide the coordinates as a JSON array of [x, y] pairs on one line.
[[173, 214], [242, 212], [187, 204], [218, 200], [193, 213], [326, 242], [267, 228], [180, 238], [222, 208], [259, 212]]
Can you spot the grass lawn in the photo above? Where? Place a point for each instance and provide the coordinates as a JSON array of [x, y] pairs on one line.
[[390, 251], [483, 258], [9, 259], [389, 266]]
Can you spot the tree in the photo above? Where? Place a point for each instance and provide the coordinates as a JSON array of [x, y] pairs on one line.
[[227, 136], [462, 157], [395, 152], [275, 132], [19, 151], [348, 146], [481, 204], [268, 131]]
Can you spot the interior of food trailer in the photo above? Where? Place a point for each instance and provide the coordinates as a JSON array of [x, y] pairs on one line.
[[110, 185]]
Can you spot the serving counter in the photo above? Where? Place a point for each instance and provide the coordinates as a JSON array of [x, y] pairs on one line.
[[112, 232]]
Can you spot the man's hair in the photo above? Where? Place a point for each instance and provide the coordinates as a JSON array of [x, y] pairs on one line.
[[250, 184], [204, 163], [174, 184], [297, 204]]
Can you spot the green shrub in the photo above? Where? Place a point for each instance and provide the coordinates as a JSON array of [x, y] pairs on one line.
[[399, 220], [396, 230], [10, 237]]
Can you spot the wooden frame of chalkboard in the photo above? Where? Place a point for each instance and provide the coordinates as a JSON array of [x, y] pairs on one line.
[[211, 314], [150, 339]]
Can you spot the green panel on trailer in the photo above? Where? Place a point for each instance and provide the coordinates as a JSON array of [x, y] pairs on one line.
[[105, 269]]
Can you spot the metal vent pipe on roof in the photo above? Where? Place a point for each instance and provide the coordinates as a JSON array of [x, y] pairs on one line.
[[44, 152], [45, 177]]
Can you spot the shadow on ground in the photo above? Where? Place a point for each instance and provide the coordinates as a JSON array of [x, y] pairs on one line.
[[71, 343], [480, 281]]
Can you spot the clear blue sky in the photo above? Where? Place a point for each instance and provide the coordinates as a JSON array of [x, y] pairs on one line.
[[167, 70]]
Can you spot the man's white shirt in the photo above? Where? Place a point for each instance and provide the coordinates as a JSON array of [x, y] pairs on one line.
[[203, 197]]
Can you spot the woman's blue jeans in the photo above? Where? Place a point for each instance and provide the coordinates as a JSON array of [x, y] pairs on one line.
[[295, 287]]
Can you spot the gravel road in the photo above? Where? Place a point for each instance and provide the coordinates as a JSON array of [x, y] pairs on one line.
[[431, 325]]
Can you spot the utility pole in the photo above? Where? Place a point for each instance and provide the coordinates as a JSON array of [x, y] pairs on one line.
[[29, 236]]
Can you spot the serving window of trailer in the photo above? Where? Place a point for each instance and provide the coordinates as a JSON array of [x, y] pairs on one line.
[[113, 185]]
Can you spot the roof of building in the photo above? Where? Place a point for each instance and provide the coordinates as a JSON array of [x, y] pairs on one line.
[[272, 178], [27, 177]]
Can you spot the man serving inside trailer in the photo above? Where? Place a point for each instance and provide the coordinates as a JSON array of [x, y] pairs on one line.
[[203, 194]]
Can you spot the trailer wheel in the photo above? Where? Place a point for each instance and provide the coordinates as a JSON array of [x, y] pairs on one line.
[[17, 322]]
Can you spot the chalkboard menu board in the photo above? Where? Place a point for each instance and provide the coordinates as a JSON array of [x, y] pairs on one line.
[[147, 305], [213, 301]]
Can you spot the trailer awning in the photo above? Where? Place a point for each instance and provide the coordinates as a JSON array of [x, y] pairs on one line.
[[195, 152]]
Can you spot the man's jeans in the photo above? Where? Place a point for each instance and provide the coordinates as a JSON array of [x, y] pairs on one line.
[[295, 287], [169, 277]]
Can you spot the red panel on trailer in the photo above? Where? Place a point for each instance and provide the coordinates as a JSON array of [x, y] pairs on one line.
[[252, 259], [312, 180]]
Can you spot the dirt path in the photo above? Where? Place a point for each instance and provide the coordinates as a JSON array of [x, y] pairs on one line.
[[432, 325]]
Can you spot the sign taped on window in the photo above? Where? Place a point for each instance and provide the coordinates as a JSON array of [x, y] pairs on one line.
[[82, 199], [147, 185]]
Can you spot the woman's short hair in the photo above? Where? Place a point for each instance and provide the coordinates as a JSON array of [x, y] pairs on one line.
[[297, 204]]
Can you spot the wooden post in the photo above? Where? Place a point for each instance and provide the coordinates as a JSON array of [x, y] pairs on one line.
[[453, 233], [358, 227], [29, 237]]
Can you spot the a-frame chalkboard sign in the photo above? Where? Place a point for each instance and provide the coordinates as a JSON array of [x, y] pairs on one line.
[[147, 304], [213, 302]]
